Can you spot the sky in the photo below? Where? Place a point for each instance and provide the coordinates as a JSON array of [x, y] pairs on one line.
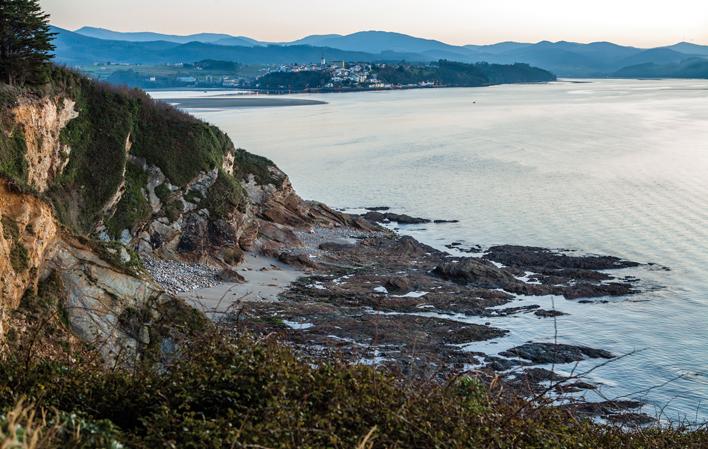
[[643, 23]]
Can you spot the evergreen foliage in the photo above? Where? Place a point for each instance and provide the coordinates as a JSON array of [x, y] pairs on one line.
[[25, 42]]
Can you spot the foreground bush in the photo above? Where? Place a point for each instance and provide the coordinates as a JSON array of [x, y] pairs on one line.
[[226, 393]]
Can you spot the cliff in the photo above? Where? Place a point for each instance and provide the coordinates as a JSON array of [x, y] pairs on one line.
[[95, 178]]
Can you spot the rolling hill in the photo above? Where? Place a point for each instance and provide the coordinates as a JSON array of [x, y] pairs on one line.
[[207, 38], [76, 49], [570, 59]]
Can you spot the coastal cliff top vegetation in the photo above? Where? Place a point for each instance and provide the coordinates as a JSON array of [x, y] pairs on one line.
[[239, 391], [224, 390], [110, 120]]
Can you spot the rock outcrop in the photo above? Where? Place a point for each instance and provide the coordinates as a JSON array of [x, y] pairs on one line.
[[92, 175], [27, 233], [107, 299], [42, 121]]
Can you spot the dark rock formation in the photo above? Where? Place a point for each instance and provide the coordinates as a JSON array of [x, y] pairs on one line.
[[378, 217], [541, 259], [540, 353]]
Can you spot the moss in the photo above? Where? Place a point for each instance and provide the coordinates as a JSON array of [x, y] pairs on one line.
[[133, 208], [260, 167], [193, 196], [162, 192], [19, 257], [12, 155], [173, 209], [10, 230], [225, 196]]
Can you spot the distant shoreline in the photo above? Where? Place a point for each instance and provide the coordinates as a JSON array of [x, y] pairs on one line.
[[206, 103]]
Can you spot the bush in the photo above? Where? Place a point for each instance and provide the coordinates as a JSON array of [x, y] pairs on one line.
[[225, 392], [225, 196], [262, 169]]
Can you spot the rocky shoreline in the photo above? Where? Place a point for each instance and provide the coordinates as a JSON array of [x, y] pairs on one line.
[[380, 298]]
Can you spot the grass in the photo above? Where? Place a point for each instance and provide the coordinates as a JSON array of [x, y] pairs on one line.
[[109, 119]]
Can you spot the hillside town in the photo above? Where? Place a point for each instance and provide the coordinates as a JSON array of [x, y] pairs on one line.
[[342, 74], [325, 75]]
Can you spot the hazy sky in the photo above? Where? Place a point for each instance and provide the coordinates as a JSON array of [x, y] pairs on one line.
[[636, 22]]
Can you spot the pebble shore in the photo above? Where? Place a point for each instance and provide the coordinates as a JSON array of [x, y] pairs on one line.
[[179, 277]]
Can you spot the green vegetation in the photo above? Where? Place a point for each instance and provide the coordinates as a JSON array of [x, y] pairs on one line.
[[448, 73], [10, 230], [111, 120], [242, 393], [19, 257], [282, 81], [12, 139], [133, 207], [225, 196], [688, 68], [162, 192], [193, 196], [181, 145], [113, 252], [98, 138], [12, 155], [173, 209], [261, 168], [215, 65], [25, 42]]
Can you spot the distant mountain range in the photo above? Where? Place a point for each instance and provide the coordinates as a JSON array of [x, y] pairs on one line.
[[90, 45]]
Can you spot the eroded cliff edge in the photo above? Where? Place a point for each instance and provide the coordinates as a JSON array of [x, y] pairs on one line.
[[95, 179]]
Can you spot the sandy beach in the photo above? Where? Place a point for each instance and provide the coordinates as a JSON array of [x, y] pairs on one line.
[[265, 278], [249, 102]]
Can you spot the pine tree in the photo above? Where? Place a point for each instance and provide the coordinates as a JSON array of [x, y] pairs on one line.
[[25, 42]]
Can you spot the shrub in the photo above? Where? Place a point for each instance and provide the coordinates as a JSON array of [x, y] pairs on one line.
[[260, 167], [242, 392], [225, 196]]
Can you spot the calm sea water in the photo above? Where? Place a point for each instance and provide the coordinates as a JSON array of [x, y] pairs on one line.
[[611, 167]]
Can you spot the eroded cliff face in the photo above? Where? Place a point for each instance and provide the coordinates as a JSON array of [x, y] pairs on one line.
[[41, 121], [126, 190], [106, 299], [28, 233]]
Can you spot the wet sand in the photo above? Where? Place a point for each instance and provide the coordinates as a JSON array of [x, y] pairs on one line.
[[249, 102], [265, 277]]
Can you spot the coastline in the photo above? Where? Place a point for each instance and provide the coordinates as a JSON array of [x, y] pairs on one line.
[[381, 298], [250, 102]]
